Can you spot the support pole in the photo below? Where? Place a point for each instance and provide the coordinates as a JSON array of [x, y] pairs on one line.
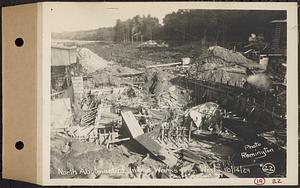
[[190, 131]]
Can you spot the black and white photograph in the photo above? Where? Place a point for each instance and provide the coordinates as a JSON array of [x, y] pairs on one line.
[[168, 93]]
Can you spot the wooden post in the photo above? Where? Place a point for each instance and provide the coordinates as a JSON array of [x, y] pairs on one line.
[[162, 133], [99, 135], [177, 134], [190, 131], [104, 135], [108, 144], [112, 133]]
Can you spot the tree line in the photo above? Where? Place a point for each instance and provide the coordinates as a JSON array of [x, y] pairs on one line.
[[200, 25], [186, 25], [138, 28]]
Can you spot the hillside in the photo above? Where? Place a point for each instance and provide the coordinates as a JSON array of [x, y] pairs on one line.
[[102, 34]]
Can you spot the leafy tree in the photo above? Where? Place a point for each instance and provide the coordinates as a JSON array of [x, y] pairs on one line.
[[137, 28]]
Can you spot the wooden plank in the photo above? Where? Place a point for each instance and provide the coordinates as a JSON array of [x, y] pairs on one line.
[[77, 84], [156, 150], [153, 147], [149, 144], [57, 93], [132, 124], [164, 65], [119, 140], [84, 131], [192, 157]]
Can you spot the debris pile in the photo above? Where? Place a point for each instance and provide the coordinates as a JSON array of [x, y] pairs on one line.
[[205, 116], [224, 66], [143, 121], [151, 44], [167, 95], [229, 55], [113, 75]]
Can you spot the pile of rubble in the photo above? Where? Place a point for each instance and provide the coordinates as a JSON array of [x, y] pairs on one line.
[[205, 116], [224, 66], [229, 55], [151, 44], [167, 95], [112, 75], [150, 114]]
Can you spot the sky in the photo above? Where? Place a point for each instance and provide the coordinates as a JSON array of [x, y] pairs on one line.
[[86, 16]]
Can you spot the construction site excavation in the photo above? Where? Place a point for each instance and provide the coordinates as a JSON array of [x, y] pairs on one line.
[[198, 95]]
